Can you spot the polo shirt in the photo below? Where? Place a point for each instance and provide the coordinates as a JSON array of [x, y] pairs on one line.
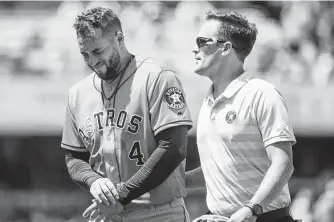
[[233, 132]]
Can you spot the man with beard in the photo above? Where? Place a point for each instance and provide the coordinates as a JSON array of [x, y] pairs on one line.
[[244, 135], [125, 133]]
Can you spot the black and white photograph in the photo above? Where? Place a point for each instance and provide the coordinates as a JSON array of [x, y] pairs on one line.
[[166, 111]]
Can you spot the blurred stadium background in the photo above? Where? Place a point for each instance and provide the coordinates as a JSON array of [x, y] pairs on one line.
[[39, 61]]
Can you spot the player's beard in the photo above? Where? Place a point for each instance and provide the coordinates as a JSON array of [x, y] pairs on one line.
[[112, 71], [114, 62]]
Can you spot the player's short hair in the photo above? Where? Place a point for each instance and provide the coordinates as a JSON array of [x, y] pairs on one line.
[[236, 29], [96, 21]]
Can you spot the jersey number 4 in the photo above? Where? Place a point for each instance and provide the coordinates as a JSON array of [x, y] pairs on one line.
[[136, 154]]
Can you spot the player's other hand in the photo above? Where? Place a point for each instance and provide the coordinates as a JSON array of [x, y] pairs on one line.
[[99, 212], [211, 218], [104, 191]]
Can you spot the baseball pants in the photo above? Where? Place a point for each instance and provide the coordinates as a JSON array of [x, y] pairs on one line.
[[174, 211]]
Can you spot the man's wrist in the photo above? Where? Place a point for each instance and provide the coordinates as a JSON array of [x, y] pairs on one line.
[[91, 179], [255, 208], [123, 193], [249, 208]]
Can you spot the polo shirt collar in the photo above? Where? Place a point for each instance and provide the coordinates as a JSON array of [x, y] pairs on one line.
[[233, 87]]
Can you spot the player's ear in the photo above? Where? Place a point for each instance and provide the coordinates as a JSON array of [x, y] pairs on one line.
[[227, 47], [119, 37]]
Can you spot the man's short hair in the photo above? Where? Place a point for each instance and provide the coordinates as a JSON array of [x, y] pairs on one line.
[[96, 21], [236, 29]]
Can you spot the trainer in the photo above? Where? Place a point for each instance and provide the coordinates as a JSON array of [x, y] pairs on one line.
[[244, 135]]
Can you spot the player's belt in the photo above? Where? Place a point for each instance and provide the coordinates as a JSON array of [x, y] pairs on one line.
[[174, 203], [274, 215]]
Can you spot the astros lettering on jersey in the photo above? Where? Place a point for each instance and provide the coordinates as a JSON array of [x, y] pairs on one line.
[[120, 132]]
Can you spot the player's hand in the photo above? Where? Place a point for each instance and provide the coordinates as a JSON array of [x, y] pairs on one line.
[[211, 218], [99, 212], [96, 213], [242, 215], [104, 191]]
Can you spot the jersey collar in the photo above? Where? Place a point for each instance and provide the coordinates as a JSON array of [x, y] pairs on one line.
[[231, 88]]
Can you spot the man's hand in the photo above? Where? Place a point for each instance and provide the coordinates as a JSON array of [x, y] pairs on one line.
[[103, 190], [243, 215], [100, 212], [211, 218]]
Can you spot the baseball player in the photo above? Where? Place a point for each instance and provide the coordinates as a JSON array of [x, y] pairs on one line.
[[125, 132], [244, 135]]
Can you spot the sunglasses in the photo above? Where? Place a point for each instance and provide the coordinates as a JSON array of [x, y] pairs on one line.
[[202, 41]]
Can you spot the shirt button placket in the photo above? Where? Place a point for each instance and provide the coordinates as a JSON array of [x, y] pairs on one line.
[[213, 116], [106, 146], [212, 112]]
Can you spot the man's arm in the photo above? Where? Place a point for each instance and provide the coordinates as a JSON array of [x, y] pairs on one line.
[[195, 182], [278, 174], [195, 178], [80, 171], [277, 134], [172, 150]]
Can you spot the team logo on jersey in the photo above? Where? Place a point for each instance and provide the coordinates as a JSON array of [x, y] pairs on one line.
[[230, 116], [87, 132], [174, 98]]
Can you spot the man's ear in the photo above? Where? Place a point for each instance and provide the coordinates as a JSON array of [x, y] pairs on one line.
[[120, 37], [227, 48]]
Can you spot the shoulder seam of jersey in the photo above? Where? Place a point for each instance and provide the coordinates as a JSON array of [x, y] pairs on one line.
[[144, 60], [154, 82], [130, 76], [70, 111]]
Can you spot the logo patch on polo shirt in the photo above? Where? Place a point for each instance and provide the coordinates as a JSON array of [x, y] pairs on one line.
[[174, 98], [230, 116]]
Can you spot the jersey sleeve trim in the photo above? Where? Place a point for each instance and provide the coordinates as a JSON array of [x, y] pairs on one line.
[[276, 139], [74, 148], [172, 124]]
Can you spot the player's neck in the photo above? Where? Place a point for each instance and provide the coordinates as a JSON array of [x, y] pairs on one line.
[[121, 70], [111, 86], [126, 61], [222, 80], [218, 89]]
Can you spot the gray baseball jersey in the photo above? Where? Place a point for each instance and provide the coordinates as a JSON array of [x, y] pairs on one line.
[[120, 132]]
